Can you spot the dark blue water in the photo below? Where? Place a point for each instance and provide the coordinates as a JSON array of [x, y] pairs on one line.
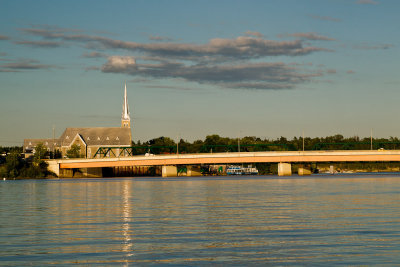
[[318, 220]]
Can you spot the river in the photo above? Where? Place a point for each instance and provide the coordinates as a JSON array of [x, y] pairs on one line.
[[336, 220]]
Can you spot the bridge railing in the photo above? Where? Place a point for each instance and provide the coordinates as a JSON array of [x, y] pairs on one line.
[[103, 152], [117, 152], [356, 145]]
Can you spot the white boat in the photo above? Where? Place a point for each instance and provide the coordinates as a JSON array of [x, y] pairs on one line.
[[238, 170]]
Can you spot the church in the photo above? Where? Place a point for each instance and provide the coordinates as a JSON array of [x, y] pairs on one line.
[[88, 139]]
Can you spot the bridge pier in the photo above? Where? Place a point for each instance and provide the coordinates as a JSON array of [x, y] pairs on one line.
[[81, 173], [302, 170], [193, 171], [284, 169], [169, 171], [66, 173], [54, 167]]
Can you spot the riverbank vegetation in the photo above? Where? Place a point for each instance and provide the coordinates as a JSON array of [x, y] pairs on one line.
[[14, 165]]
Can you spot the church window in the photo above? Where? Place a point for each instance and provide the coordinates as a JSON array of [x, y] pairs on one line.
[[98, 138], [117, 138], [107, 138]]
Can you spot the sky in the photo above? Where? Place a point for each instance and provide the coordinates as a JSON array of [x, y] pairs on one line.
[[194, 68]]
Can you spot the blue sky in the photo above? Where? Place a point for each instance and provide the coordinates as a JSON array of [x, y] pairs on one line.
[[193, 68]]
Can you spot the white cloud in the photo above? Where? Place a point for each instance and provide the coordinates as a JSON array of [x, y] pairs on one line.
[[119, 64]]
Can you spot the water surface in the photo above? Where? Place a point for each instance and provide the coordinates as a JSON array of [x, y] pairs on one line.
[[337, 220]]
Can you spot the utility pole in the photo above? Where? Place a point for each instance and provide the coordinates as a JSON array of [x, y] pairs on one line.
[[54, 146], [177, 145], [371, 138]]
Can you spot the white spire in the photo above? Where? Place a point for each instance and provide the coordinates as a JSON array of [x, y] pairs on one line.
[[125, 107]]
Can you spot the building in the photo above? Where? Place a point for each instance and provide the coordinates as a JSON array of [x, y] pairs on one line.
[[90, 139]]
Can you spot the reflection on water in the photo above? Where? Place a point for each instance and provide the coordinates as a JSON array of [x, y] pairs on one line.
[[198, 221]]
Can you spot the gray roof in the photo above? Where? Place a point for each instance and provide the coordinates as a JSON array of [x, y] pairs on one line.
[[50, 143], [98, 136]]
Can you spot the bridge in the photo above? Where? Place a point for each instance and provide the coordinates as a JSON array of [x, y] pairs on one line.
[[283, 158]]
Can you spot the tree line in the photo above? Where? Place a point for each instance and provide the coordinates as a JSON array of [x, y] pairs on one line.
[[216, 143]]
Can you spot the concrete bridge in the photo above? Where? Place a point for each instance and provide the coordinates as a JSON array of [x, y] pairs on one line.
[[169, 162]]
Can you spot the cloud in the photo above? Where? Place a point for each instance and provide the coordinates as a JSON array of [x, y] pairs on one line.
[[168, 87], [256, 34], [119, 64], [367, 2], [325, 18], [225, 62], [373, 47], [140, 80], [249, 75], [159, 38], [94, 55], [40, 44], [242, 47], [25, 65], [7, 70], [311, 36], [3, 37]]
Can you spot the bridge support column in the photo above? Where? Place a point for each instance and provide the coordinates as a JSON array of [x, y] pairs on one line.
[[169, 171], [66, 173], [284, 169], [193, 171], [54, 167], [304, 171], [92, 172]]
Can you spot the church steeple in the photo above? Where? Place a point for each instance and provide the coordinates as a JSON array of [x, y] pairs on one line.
[[125, 120]]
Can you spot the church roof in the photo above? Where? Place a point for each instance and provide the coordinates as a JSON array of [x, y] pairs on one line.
[[98, 136]]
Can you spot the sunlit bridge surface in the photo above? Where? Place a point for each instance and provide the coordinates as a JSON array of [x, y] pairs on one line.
[[347, 220]]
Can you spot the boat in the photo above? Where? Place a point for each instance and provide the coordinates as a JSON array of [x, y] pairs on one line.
[[239, 170]]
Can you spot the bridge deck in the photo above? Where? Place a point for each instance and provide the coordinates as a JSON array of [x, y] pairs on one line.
[[231, 158]]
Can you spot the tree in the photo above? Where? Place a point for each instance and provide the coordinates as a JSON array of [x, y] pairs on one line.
[[162, 145], [40, 152], [57, 154], [74, 151], [13, 164]]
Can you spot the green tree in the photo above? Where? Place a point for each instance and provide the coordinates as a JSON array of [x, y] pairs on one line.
[[40, 152], [74, 151], [162, 145], [13, 164]]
